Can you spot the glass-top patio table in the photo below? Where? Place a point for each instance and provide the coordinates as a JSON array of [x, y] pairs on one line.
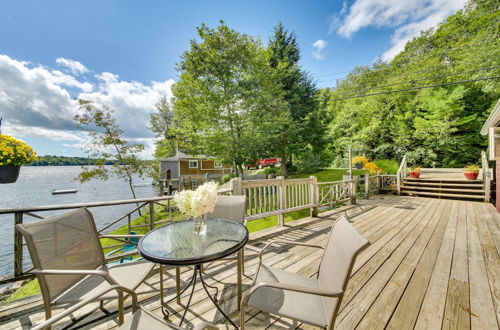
[[177, 244]]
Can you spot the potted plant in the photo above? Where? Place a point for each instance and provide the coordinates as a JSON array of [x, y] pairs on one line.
[[13, 154], [414, 172], [196, 204], [359, 161], [471, 172]]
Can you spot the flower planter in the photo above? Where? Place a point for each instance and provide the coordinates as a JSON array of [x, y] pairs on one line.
[[9, 173], [414, 174], [359, 166], [471, 175]]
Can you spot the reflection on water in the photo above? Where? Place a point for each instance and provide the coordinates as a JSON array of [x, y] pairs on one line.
[[34, 188]]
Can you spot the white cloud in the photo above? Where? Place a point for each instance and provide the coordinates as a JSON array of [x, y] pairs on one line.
[[319, 45], [132, 100], [41, 102], [409, 17], [75, 67]]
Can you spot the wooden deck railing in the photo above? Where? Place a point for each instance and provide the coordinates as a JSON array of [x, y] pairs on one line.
[[487, 176], [265, 198], [164, 204], [401, 174]]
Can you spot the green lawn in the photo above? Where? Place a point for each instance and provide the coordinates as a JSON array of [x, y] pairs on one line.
[[333, 174], [32, 287]]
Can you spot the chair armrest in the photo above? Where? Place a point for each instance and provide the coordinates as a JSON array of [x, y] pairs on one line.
[[291, 287], [82, 303], [103, 273]]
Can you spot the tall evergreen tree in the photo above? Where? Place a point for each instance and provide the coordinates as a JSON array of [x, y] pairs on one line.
[[302, 126]]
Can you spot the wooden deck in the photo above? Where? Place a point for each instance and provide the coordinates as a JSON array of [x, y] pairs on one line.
[[431, 264]]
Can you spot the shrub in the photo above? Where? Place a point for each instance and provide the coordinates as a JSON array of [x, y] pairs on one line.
[[309, 162], [227, 178], [360, 160], [271, 170], [373, 168], [389, 166]]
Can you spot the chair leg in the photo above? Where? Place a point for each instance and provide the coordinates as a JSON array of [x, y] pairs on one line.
[[48, 315], [161, 283], [121, 317], [242, 316], [178, 284], [243, 260]]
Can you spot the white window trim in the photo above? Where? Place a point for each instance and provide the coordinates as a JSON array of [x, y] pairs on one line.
[[194, 160], [217, 165]]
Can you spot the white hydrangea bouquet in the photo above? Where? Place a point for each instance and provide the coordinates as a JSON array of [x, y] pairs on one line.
[[197, 203]]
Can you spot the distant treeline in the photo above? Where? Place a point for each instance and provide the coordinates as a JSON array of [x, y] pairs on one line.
[[61, 160]]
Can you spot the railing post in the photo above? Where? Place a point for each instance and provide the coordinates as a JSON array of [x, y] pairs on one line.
[[353, 191], [485, 168], [18, 245], [367, 185], [151, 215], [236, 187], [282, 199], [398, 182], [313, 187], [129, 224], [349, 171]]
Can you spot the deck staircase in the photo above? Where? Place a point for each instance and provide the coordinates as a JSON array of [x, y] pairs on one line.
[[444, 188], [446, 183]]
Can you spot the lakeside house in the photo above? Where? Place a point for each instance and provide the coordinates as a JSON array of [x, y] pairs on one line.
[[183, 168]]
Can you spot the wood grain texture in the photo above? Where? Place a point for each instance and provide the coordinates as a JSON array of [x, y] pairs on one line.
[[431, 264]]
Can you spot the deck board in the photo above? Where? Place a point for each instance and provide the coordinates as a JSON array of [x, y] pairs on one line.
[[431, 264]]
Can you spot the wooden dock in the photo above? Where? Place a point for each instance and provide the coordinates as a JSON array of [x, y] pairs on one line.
[[431, 264]]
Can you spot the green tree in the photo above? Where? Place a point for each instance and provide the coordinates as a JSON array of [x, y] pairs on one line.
[[162, 125], [433, 125], [106, 143], [302, 124], [224, 87]]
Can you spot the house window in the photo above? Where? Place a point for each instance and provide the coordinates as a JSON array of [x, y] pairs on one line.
[[217, 163], [193, 164]]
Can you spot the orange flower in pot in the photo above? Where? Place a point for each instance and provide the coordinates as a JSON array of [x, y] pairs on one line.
[[414, 172], [471, 172]]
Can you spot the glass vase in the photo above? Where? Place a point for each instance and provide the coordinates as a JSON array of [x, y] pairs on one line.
[[200, 226]]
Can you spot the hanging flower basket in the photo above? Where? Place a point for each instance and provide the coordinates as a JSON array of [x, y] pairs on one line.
[[9, 173], [13, 154]]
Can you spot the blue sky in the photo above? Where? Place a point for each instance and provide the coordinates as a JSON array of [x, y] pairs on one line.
[[124, 52]]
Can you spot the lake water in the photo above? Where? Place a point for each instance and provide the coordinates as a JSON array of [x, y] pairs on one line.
[[34, 188]]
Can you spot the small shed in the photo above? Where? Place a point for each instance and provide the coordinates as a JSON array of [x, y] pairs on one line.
[[185, 167]]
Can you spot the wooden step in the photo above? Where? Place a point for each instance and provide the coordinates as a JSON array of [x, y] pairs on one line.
[[423, 193], [442, 189], [417, 183], [443, 180]]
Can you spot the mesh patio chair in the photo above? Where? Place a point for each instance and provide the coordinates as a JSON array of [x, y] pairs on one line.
[[141, 318], [231, 208], [314, 301], [70, 265]]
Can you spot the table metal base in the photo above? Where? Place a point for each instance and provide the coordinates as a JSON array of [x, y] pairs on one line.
[[198, 271]]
